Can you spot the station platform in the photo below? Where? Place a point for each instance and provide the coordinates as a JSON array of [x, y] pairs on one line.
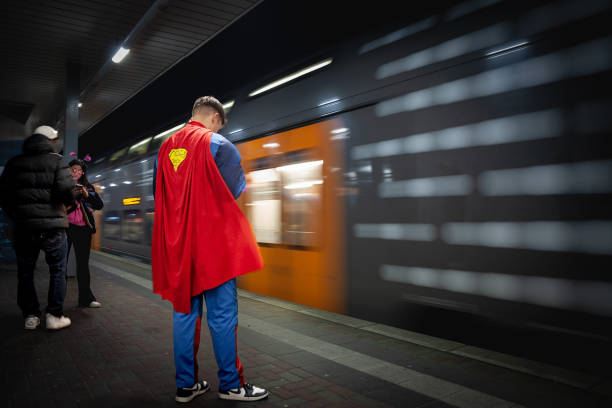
[[121, 356]]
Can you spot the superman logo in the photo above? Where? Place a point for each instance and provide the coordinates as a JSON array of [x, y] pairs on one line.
[[177, 156]]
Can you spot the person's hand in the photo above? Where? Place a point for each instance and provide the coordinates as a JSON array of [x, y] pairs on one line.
[[84, 190]]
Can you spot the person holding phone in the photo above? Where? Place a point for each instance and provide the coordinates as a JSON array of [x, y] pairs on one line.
[[81, 227]]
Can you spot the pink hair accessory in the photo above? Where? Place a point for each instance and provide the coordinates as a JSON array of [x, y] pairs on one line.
[[87, 158], [73, 154]]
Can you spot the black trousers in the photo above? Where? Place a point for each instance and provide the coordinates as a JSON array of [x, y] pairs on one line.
[[27, 246], [80, 238]]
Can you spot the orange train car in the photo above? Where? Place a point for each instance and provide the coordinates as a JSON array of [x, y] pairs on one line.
[[294, 181]]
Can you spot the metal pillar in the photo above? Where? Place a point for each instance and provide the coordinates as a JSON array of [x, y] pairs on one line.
[[71, 122]]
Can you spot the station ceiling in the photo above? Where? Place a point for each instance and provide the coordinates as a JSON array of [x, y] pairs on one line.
[[39, 39]]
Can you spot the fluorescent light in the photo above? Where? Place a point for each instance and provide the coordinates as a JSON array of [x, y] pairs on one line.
[[120, 54], [271, 145], [291, 77], [300, 166], [508, 48], [329, 101], [339, 130], [117, 169], [102, 188], [98, 175], [127, 182], [235, 131], [144, 161], [165, 132], [303, 184], [228, 105], [112, 185], [140, 143], [80, 104]]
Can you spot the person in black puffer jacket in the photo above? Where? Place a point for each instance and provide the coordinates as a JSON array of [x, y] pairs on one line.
[[35, 188]]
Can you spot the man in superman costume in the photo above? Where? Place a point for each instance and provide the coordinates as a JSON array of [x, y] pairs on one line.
[[201, 242]]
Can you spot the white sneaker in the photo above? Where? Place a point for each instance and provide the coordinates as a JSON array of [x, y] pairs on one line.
[[187, 394], [56, 323], [247, 392], [95, 304], [32, 322]]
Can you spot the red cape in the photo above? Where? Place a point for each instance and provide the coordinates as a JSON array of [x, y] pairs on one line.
[[201, 239]]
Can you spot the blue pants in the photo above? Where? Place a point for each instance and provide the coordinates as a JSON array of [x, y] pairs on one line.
[[27, 246], [222, 317]]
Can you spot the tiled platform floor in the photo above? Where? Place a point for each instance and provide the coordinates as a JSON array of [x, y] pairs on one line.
[[121, 356]]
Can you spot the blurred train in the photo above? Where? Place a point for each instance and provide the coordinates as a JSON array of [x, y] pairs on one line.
[[461, 162]]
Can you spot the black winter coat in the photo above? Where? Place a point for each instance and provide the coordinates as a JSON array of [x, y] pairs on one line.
[[36, 186], [87, 205]]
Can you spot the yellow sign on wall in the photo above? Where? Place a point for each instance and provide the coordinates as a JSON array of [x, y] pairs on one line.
[[131, 201]]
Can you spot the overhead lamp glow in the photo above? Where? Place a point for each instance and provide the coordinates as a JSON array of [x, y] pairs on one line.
[[80, 104], [120, 54], [329, 101], [235, 131], [339, 130], [117, 169], [512, 47], [271, 145], [98, 175], [303, 184], [300, 166], [291, 77], [228, 105], [165, 132], [127, 182], [140, 143], [112, 185]]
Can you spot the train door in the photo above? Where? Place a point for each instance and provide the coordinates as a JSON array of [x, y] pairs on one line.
[[294, 205]]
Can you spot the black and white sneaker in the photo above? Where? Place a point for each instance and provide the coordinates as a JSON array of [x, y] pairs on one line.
[[187, 394], [247, 392]]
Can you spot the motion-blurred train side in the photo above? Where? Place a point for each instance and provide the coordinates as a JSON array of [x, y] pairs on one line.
[[459, 162]]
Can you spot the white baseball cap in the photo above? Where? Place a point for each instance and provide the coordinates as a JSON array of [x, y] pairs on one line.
[[46, 131]]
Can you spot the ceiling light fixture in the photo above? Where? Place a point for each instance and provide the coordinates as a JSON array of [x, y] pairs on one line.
[[291, 77], [329, 101], [120, 54], [165, 132]]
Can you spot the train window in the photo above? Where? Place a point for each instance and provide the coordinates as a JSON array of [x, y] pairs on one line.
[[139, 149], [112, 225], [133, 228], [161, 138], [264, 205], [283, 203], [301, 195], [114, 159]]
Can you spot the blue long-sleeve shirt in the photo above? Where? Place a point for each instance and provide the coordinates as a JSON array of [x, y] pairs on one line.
[[227, 160]]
